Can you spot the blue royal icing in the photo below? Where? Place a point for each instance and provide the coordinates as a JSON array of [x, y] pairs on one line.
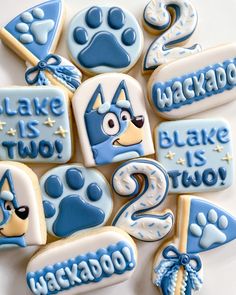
[[74, 199], [209, 226], [21, 212], [195, 86], [196, 153], [91, 267], [34, 125], [109, 40], [37, 27], [101, 142]]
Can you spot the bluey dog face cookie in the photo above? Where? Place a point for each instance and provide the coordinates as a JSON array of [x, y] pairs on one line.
[[21, 212], [104, 39], [33, 35], [201, 226], [75, 199], [86, 262], [35, 125], [195, 83], [111, 119], [197, 154]]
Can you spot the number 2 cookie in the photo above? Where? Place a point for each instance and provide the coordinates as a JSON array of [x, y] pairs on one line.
[[33, 35], [75, 199], [104, 39]]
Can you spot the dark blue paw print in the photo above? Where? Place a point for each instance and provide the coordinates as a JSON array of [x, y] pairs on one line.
[[105, 38], [75, 199]]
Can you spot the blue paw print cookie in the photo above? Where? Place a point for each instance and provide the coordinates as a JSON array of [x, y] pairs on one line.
[[75, 198], [104, 39]]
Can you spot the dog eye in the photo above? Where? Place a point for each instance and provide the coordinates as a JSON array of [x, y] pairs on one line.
[[125, 115], [111, 124], [9, 206]]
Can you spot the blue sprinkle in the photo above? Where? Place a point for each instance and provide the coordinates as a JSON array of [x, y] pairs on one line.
[[153, 18], [126, 214], [153, 172], [155, 60], [121, 173], [153, 186], [127, 187], [181, 52], [132, 225], [135, 167], [164, 14], [167, 53], [140, 234], [192, 15], [158, 198], [186, 5], [178, 33], [158, 233], [166, 226], [164, 38], [181, 23], [142, 204], [150, 225]]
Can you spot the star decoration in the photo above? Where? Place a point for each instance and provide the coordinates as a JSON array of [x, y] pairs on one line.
[[227, 158], [218, 148], [2, 125], [170, 155], [61, 131], [11, 132], [180, 161], [49, 122]]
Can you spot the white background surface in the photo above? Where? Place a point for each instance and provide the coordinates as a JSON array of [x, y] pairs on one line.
[[217, 23]]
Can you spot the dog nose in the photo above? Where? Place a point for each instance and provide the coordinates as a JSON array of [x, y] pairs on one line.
[[22, 212], [138, 121]]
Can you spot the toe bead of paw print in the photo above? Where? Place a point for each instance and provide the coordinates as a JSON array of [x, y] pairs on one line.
[[75, 198], [109, 40]]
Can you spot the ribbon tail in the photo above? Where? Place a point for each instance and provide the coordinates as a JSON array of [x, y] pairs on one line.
[[195, 279], [42, 80], [67, 75]]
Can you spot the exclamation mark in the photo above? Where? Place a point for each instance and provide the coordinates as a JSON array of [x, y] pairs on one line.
[[127, 253], [59, 148], [222, 174]]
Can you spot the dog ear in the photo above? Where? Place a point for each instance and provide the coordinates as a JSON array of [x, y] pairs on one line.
[[7, 191], [96, 100], [121, 96]]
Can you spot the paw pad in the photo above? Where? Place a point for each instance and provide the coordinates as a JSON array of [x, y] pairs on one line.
[[209, 228], [75, 199], [109, 39], [33, 27]]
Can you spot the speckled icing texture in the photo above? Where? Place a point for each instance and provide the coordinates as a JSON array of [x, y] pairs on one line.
[[209, 226], [34, 125], [196, 153], [84, 263], [111, 119], [36, 27], [134, 217], [104, 39], [157, 16], [75, 198], [20, 209]]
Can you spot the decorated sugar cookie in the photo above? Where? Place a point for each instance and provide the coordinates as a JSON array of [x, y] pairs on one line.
[[196, 153], [195, 83], [174, 21], [201, 226], [104, 39], [33, 35], [83, 263], [135, 217], [35, 125], [22, 222], [75, 199], [111, 118]]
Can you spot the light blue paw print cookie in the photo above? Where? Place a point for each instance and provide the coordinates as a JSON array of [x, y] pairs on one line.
[[75, 199], [104, 39]]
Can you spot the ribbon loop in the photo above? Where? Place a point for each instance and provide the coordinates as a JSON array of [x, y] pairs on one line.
[[66, 74]]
